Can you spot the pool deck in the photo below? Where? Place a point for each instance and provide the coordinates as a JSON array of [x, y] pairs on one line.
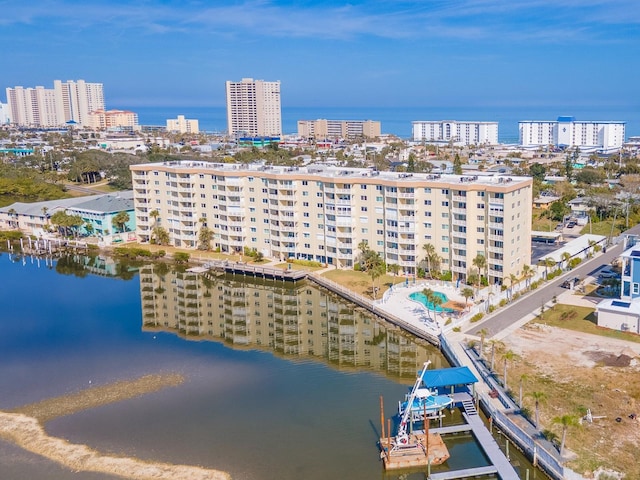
[[397, 302]]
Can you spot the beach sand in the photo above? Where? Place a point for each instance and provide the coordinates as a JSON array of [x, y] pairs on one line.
[[23, 427]]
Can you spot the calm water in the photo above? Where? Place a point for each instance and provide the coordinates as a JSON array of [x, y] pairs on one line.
[[398, 120], [265, 397]]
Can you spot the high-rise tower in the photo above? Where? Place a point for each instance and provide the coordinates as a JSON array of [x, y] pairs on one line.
[[253, 108]]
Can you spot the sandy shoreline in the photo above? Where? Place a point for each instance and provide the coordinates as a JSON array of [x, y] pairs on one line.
[[23, 427]]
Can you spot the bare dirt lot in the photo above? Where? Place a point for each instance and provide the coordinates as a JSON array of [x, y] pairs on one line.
[[577, 371]]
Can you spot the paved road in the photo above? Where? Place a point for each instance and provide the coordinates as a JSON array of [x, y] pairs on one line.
[[534, 300], [88, 191]]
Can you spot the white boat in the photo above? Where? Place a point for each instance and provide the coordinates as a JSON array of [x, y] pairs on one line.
[[422, 400]]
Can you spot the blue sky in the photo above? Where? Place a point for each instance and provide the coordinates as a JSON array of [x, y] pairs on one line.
[[327, 53]]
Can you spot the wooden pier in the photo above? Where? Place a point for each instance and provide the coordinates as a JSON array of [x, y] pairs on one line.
[[427, 450], [239, 268], [499, 463]]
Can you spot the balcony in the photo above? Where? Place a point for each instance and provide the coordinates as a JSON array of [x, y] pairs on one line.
[[496, 226], [459, 211], [459, 198]]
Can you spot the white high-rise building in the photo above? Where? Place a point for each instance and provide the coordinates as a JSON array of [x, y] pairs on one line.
[[77, 99], [5, 116], [44, 107], [253, 108], [182, 125], [567, 132], [460, 133]]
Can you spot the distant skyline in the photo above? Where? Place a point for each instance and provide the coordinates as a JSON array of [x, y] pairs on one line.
[[443, 53]]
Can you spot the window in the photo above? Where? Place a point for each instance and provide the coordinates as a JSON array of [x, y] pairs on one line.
[[444, 226], [445, 203], [445, 191], [445, 249], [380, 221], [480, 229], [481, 218], [363, 197], [306, 214], [305, 193], [480, 205], [305, 204], [427, 190], [427, 214], [445, 238], [363, 187], [319, 205], [306, 225], [427, 225], [363, 209], [305, 182], [380, 232], [445, 215]]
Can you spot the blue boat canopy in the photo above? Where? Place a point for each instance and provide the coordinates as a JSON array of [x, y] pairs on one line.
[[446, 377]]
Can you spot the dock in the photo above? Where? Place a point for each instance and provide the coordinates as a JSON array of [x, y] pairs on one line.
[[240, 268], [499, 463]]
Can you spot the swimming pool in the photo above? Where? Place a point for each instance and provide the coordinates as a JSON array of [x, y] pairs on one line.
[[420, 297]]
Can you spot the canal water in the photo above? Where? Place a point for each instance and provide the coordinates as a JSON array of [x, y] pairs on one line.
[[283, 381]]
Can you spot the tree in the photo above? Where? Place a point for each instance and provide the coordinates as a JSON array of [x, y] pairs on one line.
[[394, 268], [512, 282], [527, 273], [523, 377], [376, 270], [474, 279], [155, 214], [411, 163], [457, 165], [483, 334], [466, 293], [181, 257], [558, 210], [566, 256], [430, 252], [538, 397], [537, 171], [160, 236], [507, 357], [119, 221], [480, 262], [66, 223], [566, 421]]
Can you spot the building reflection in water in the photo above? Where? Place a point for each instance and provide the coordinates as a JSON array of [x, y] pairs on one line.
[[290, 319]]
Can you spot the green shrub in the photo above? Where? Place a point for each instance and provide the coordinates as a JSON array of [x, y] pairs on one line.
[[503, 302], [477, 317], [449, 321], [181, 257], [306, 263], [446, 276], [492, 308], [456, 329]]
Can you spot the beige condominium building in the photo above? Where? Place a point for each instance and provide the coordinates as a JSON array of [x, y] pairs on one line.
[[253, 108], [182, 125], [338, 128], [323, 213]]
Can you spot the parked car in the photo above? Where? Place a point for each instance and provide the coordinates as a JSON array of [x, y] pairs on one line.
[[608, 273], [571, 224], [571, 283]]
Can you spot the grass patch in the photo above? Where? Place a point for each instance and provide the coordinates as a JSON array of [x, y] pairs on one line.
[[295, 266], [581, 319], [360, 282], [603, 228]]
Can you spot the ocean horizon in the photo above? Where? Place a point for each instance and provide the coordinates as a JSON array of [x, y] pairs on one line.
[[397, 120]]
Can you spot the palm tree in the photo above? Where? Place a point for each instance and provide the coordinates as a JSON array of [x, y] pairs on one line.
[[483, 334], [480, 262], [538, 397], [466, 293], [394, 268], [430, 251], [376, 270], [507, 356], [119, 221], [513, 280], [548, 263], [523, 377], [428, 293], [154, 214], [436, 301], [474, 279], [565, 258], [527, 273], [566, 421]]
